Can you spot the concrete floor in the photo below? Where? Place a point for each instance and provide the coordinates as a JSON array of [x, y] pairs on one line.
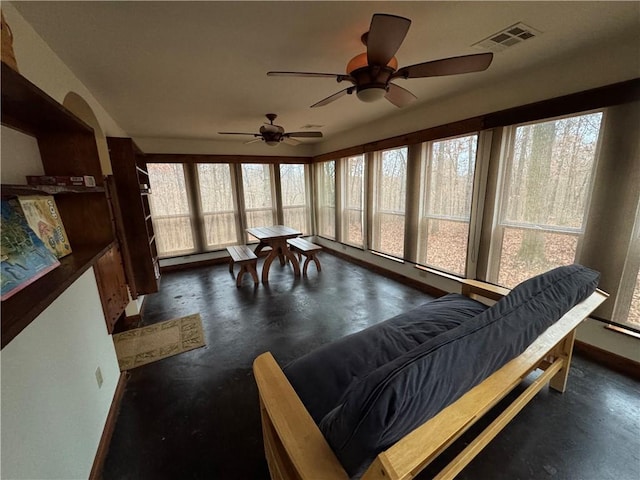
[[195, 415]]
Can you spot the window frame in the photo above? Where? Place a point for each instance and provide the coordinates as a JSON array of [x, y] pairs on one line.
[[308, 230], [320, 195], [374, 230], [345, 208], [506, 162], [426, 163], [192, 219]]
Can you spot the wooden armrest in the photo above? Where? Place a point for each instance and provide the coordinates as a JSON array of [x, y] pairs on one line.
[[305, 449], [480, 290]]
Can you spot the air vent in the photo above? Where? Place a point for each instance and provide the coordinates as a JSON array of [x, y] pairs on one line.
[[508, 37]]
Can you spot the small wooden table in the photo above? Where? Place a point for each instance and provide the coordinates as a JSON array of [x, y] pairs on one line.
[[275, 237]]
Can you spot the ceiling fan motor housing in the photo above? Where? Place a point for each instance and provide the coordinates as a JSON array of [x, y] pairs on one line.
[[372, 82]]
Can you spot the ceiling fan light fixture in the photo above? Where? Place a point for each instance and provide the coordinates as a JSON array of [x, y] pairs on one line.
[[272, 143], [360, 61], [371, 94]]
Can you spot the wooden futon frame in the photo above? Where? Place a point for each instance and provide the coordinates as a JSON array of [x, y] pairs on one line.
[[296, 449]]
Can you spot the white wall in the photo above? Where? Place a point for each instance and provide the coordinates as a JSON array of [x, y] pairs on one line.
[[38, 63], [53, 412]]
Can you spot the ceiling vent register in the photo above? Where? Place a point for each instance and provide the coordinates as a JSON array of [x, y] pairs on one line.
[[508, 37]]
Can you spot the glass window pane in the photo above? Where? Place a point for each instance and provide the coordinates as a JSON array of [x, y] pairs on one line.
[[447, 245], [519, 261], [550, 172], [169, 207], [295, 203], [326, 183], [547, 187], [353, 200], [389, 210], [258, 198], [450, 167], [218, 210]]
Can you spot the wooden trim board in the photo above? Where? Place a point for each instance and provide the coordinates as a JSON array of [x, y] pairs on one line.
[[109, 427], [608, 359]]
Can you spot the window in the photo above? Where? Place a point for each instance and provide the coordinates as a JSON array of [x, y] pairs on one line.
[[170, 211], [353, 201], [326, 183], [627, 306], [448, 186], [545, 193], [219, 212], [389, 202], [258, 195], [295, 201]]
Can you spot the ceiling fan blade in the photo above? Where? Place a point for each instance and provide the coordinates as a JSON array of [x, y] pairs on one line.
[[259, 139], [304, 134], [446, 66], [333, 97], [290, 141], [385, 36], [399, 96], [304, 74], [238, 133]]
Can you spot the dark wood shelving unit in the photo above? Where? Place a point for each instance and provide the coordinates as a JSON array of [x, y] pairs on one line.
[[130, 197], [67, 147], [8, 189]]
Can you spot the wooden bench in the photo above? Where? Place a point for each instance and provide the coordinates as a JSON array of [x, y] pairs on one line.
[[308, 249], [242, 255]]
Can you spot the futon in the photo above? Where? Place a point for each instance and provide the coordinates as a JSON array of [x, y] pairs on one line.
[[384, 402]]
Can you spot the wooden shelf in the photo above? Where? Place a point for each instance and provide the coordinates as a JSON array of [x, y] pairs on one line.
[[67, 146], [22, 308], [27, 108], [9, 190], [131, 209]]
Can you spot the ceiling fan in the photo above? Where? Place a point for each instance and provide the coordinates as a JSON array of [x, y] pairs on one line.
[[371, 72], [274, 134]]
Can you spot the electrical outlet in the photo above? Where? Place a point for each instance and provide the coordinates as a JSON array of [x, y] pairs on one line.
[[99, 377]]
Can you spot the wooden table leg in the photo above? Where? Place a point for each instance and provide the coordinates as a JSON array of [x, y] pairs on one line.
[[279, 249], [267, 264], [290, 255], [259, 248]]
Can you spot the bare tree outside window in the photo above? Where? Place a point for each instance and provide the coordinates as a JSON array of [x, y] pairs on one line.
[[170, 211], [389, 208], [326, 183], [448, 181], [546, 190], [295, 203], [218, 209], [353, 228]]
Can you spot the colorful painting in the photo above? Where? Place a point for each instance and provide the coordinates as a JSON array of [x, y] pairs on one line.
[[24, 256], [43, 217]]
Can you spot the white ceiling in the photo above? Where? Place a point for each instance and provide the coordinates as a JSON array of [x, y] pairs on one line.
[[186, 70]]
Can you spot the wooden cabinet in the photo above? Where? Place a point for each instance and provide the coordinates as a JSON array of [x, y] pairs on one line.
[[67, 147], [112, 285], [129, 193]]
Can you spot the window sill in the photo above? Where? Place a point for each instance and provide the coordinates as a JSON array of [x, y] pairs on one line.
[[388, 257], [622, 330]]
